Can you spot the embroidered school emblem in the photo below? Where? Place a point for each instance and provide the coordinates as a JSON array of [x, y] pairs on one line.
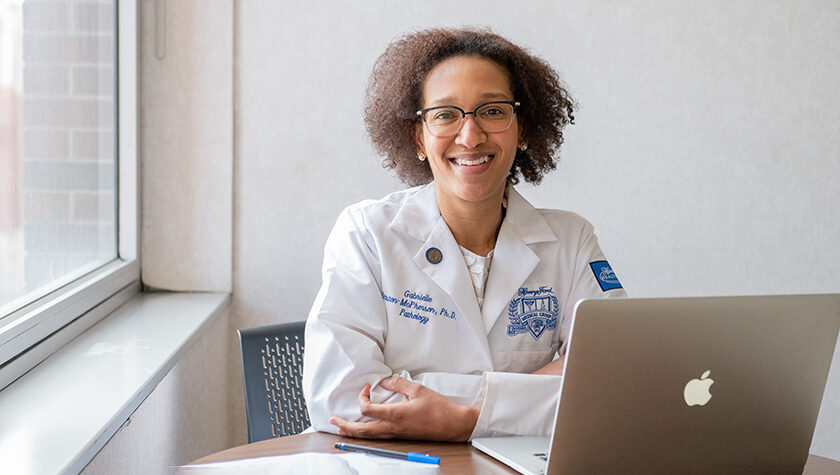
[[532, 311]]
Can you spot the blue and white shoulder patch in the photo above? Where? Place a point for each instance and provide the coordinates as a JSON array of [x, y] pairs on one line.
[[605, 276]]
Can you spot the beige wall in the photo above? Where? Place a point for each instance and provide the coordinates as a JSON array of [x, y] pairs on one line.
[[185, 130], [704, 151]]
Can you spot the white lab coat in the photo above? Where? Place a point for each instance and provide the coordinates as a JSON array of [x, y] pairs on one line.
[[385, 308]]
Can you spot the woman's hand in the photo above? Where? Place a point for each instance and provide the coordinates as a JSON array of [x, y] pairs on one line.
[[425, 414], [554, 368]]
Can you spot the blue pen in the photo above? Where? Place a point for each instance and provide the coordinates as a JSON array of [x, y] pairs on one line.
[[410, 456]]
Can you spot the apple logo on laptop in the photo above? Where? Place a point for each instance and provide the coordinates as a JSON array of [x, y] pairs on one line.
[[696, 392]]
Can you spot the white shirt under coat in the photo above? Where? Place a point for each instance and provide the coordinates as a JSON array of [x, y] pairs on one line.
[[385, 309]]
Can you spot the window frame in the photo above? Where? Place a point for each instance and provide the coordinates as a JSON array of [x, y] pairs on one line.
[[33, 332]]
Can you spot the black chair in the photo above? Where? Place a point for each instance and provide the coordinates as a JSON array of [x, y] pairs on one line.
[[272, 370]]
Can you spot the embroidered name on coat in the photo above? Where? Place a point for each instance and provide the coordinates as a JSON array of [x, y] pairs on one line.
[[532, 311]]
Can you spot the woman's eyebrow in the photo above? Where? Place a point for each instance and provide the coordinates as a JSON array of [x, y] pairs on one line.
[[494, 95], [449, 100]]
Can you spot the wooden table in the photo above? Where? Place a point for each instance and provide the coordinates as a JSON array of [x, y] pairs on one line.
[[455, 457]]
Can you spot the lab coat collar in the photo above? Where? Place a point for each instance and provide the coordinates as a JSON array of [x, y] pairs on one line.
[[525, 221], [419, 215], [513, 259]]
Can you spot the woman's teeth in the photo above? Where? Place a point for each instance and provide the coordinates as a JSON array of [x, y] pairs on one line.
[[472, 163]]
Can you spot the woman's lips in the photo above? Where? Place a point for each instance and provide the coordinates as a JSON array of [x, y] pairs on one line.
[[472, 163], [472, 160]]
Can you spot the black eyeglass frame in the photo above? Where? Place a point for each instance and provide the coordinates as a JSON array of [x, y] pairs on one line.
[[422, 112]]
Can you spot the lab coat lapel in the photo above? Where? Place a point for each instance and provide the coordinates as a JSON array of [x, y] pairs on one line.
[[513, 260], [420, 219], [451, 275]]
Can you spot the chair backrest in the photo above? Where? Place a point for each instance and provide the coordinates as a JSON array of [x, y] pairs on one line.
[[272, 370]]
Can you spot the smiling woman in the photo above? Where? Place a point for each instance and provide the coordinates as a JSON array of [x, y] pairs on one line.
[[472, 349]]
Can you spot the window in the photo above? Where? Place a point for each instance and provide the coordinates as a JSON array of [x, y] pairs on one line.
[[67, 171]]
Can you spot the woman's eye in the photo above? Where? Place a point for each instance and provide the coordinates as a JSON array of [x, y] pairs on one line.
[[445, 115], [492, 111]]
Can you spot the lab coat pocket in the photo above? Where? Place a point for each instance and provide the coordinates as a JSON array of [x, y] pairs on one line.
[[524, 361]]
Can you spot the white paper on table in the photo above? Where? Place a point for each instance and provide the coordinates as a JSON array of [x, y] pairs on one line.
[[314, 463]]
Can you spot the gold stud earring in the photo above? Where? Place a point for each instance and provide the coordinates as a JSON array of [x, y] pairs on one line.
[[523, 146], [421, 156]]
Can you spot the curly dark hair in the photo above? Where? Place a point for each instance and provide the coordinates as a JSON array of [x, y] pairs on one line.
[[394, 94]]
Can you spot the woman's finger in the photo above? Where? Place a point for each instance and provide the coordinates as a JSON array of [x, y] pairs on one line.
[[364, 397], [338, 422], [363, 430], [401, 385]]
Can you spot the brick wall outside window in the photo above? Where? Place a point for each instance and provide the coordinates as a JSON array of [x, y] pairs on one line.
[[64, 171]]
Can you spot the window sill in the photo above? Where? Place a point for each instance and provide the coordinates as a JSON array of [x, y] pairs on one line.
[[59, 415]]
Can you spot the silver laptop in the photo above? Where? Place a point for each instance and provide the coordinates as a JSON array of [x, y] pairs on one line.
[[686, 385]]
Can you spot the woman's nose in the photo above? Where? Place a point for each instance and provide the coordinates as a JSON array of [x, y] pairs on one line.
[[470, 134]]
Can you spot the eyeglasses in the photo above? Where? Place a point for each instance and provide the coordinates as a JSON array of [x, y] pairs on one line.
[[446, 121]]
